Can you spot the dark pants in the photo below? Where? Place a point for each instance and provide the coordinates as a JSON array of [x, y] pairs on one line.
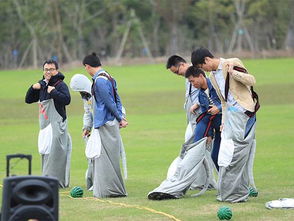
[[209, 126]]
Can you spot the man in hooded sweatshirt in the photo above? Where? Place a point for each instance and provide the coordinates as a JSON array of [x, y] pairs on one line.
[[54, 141]]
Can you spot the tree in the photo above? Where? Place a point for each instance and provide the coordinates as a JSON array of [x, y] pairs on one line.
[[211, 23], [33, 22], [240, 30], [289, 42], [173, 14]]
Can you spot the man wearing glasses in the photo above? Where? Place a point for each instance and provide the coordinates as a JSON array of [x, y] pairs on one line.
[[54, 142], [191, 169], [179, 66]]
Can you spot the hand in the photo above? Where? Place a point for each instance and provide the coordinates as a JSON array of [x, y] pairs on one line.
[[209, 140], [230, 68], [123, 123], [47, 76], [213, 110], [221, 127], [37, 86], [193, 108], [50, 88], [86, 133]]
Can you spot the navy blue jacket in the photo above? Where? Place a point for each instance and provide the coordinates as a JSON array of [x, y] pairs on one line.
[[60, 94], [204, 101]]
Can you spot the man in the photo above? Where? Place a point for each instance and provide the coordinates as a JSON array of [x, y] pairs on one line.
[[54, 142], [233, 86], [192, 169], [105, 138], [209, 121], [179, 66]]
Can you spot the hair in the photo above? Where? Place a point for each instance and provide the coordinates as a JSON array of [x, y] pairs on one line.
[[92, 60], [194, 72], [174, 60], [198, 56], [51, 61], [85, 95]]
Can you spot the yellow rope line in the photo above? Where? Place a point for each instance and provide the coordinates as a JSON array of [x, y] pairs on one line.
[[126, 205], [122, 205]]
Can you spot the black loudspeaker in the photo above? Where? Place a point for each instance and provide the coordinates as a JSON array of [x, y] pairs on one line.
[[30, 197]]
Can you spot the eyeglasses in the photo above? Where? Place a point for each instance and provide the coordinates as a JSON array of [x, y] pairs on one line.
[[49, 69]]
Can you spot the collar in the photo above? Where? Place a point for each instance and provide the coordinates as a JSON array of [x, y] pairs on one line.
[[99, 72], [209, 85], [220, 65], [55, 78]]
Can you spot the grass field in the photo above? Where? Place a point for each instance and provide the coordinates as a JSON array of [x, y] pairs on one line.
[[154, 101]]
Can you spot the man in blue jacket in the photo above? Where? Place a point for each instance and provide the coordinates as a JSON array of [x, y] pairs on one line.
[[209, 120], [106, 138], [54, 141]]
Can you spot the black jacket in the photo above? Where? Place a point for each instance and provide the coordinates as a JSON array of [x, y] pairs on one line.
[[60, 94]]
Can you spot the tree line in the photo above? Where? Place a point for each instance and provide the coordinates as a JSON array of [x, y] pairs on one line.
[[66, 30]]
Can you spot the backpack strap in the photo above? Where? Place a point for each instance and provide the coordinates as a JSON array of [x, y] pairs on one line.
[[112, 83], [190, 89]]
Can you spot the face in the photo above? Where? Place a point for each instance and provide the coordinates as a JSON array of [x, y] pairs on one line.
[[207, 65], [49, 71], [180, 69], [88, 69], [196, 81]]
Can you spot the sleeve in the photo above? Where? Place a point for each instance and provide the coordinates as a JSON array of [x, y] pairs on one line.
[[196, 101], [216, 100], [105, 92], [118, 102], [32, 95], [88, 116], [244, 78], [224, 110], [61, 94], [195, 96], [219, 106]]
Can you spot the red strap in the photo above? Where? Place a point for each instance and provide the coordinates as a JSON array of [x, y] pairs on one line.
[[57, 82]]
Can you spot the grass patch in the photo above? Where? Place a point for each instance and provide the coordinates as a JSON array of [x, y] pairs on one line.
[[154, 101]]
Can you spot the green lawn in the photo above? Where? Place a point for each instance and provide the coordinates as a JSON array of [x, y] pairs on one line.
[[154, 101]]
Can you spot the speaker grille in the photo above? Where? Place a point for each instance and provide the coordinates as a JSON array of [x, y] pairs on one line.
[[30, 197], [32, 192]]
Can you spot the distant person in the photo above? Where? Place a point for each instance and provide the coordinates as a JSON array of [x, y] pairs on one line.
[[54, 141], [209, 120], [233, 85], [177, 65], [106, 138], [82, 84]]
